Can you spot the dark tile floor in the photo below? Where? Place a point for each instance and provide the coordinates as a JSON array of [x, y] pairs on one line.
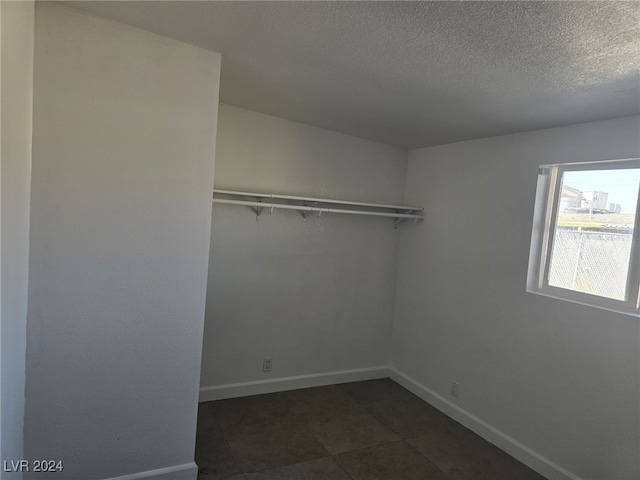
[[373, 430]]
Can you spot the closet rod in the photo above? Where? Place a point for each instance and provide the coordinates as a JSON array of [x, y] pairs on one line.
[[318, 209], [320, 200]]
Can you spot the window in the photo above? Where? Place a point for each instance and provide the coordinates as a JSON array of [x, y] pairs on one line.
[[585, 245]]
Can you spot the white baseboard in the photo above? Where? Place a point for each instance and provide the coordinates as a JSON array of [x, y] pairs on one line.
[[537, 462], [188, 471], [259, 387]]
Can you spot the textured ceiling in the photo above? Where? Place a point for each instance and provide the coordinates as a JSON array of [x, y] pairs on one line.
[[413, 74]]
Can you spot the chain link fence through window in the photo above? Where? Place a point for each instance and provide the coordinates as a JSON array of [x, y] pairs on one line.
[[592, 262]]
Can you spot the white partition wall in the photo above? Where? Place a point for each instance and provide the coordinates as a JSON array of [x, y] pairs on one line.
[[123, 159], [17, 104]]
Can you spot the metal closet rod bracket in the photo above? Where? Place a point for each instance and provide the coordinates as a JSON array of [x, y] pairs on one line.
[[259, 201]]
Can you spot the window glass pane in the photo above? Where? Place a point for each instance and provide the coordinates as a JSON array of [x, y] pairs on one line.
[[593, 232]]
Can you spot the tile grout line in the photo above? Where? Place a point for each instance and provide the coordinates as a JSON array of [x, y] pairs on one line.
[[424, 456], [226, 442], [361, 405], [279, 466], [343, 469], [370, 446], [299, 417]]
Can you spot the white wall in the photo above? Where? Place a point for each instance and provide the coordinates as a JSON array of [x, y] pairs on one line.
[[317, 295], [123, 156], [560, 378], [17, 24]]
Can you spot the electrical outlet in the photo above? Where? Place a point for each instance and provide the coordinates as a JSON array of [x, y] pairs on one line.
[[455, 388], [266, 364]]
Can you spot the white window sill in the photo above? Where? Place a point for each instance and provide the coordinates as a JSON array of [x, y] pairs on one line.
[[587, 303]]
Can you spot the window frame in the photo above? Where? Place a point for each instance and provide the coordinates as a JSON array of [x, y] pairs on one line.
[[548, 195]]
